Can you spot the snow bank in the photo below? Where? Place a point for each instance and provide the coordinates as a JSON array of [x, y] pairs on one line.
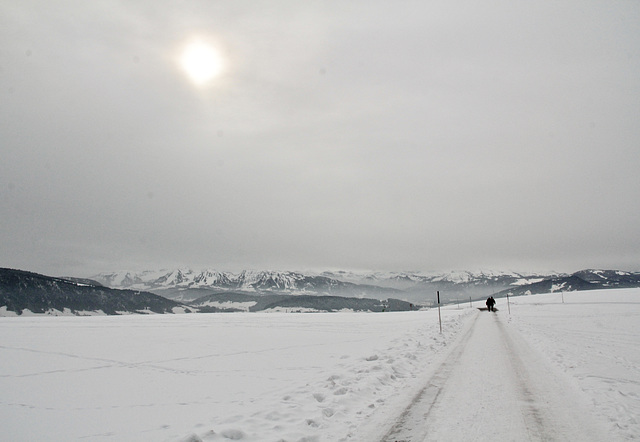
[[4, 312]]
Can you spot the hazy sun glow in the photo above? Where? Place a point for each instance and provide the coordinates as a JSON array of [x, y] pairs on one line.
[[201, 62]]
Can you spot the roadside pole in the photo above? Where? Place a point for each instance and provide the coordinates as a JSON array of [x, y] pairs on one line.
[[439, 317], [508, 304]]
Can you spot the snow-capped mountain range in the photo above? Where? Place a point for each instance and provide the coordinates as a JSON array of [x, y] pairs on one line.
[[187, 284], [211, 291], [290, 280], [189, 279], [23, 292]]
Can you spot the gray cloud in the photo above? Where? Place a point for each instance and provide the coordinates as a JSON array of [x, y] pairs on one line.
[[420, 135]]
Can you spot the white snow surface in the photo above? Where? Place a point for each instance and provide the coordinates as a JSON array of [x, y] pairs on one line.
[[545, 370], [593, 338]]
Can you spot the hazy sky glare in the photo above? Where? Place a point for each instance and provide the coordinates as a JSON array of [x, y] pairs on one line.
[[364, 135]]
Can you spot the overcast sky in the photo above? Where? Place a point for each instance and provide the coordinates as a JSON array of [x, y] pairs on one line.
[[382, 135]]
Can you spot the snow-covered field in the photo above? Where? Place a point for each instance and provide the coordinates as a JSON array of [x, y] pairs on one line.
[[297, 377], [594, 339]]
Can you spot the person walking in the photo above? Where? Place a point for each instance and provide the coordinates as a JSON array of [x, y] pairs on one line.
[[490, 303]]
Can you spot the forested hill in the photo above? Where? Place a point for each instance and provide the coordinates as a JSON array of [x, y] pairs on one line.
[[21, 290]]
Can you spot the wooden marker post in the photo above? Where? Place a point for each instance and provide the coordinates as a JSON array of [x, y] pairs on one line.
[[439, 317]]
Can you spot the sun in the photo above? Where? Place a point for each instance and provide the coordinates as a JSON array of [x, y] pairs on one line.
[[201, 62]]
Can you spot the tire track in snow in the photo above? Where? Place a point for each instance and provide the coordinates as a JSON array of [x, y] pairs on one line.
[[552, 409], [493, 386], [410, 424]]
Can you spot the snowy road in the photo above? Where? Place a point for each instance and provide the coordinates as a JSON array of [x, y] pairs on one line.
[[494, 386]]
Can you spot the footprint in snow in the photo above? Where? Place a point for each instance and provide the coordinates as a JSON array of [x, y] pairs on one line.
[[233, 434], [273, 416], [328, 412], [209, 435]]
